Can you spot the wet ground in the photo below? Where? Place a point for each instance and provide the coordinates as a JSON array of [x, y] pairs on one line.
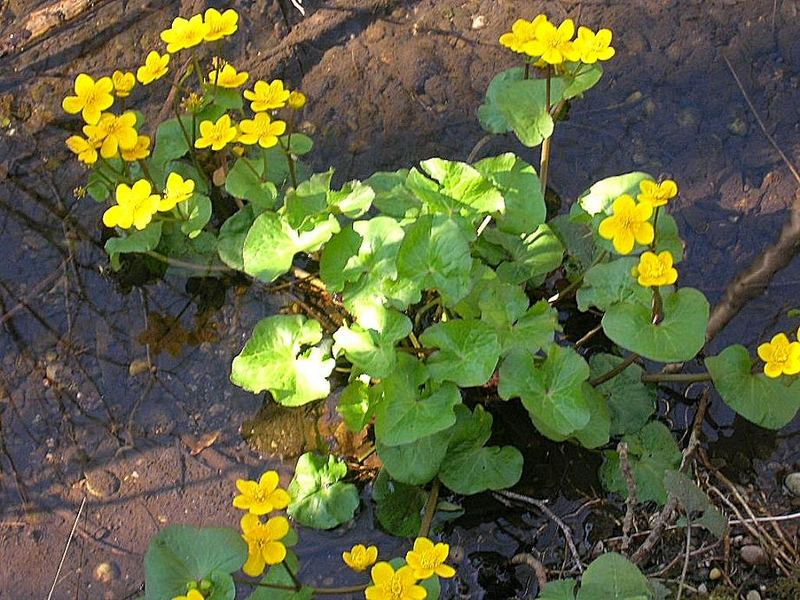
[[110, 387]]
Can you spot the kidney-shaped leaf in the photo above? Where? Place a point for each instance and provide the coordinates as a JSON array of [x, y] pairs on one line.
[[770, 403], [277, 358], [320, 498], [468, 351], [678, 336], [613, 577]]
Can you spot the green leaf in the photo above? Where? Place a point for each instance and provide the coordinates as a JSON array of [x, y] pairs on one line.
[[304, 204], [232, 235], [613, 577], [607, 284], [552, 392], [523, 201], [170, 142], [198, 208], [560, 589], [97, 187], [179, 554], [678, 337], [245, 180], [353, 200], [533, 331], [583, 78], [599, 198], [336, 254], [435, 255], [630, 402], [224, 98], [416, 463], [597, 431], [469, 467], [137, 241], [277, 358], [406, 413], [373, 351], [668, 237], [468, 351], [652, 452], [530, 257], [694, 500], [770, 403], [319, 498], [297, 143], [578, 240], [465, 184], [269, 247], [392, 197], [355, 405], [399, 506], [514, 103], [501, 304], [278, 575]]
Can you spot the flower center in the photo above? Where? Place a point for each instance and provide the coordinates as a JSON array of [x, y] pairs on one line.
[[396, 587], [780, 354], [428, 560]]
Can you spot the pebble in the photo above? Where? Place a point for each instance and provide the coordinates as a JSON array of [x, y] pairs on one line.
[[738, 126], [715, 574], [753, 595], [753, 555], [106, 572], [702, 589], [792, 483], [101, 483]]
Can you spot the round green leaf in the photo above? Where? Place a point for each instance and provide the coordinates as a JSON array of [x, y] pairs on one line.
[[767, 402], [399, 506], [416, 463], [232, 235], [613, 577], [468, 351], [678, 337], [599, 198], [610, 283], [630, 402], [319, 498]]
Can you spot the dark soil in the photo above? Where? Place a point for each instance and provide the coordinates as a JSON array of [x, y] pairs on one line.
[[88, 410]]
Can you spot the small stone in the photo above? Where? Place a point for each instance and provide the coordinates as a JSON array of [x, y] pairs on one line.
[[634, 97], [754, 555], [753, 595], [106, 572], [137, 367], [101, 483], [687, 118], [715, 574], [478, 22], [702, 589], [792, 483], [738, 126]]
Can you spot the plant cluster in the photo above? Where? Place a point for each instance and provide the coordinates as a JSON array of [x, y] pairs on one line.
[[442, 276]]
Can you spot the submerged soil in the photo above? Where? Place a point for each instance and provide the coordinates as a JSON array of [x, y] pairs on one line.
[[115, 390]]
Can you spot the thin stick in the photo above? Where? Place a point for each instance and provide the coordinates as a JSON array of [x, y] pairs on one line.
[[66, 548], [506, 495], [627, 362], [525, 558], [630, 501], [688, 553], [430, 509]]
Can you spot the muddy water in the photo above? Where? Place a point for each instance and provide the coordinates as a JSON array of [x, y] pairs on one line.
[[108, 381]]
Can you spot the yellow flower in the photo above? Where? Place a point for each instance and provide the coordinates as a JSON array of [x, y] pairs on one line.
[[139, 151], [655, 270], [657, 194], [135, 206], [629, 222], [155, 67], [594, 46], [85, 149], [553, 44], [90, 99], [216, 134], [177, 190], [389, 584], [427, 559], [227, 77], [267, 96], [781, 356], [117, 133], [360, 557], [522, 33], [296, 100], [263, 542], [262, 497], [261, 129], [123, 83], [220, 25], [193, 594], [184, 33]]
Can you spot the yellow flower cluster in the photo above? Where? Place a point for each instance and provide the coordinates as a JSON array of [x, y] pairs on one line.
[[263, 538], [208, 27], [781, 356], [630, 223], [424, 561], [553, 45], [136, 205]]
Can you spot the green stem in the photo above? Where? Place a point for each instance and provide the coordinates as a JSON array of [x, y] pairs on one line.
[[655, 224], [544, 165], [146, 171], [425, 308], [336, 591], [567, 291], [658, 306], [290, 162], [297, 585], [196, 67], [615, 371], [188, 265], [246, 163], [189, 143], [676, 377], [430, 509]]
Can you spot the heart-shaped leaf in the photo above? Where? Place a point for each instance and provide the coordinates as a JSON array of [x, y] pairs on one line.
[[468, 351], [320, 498]]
